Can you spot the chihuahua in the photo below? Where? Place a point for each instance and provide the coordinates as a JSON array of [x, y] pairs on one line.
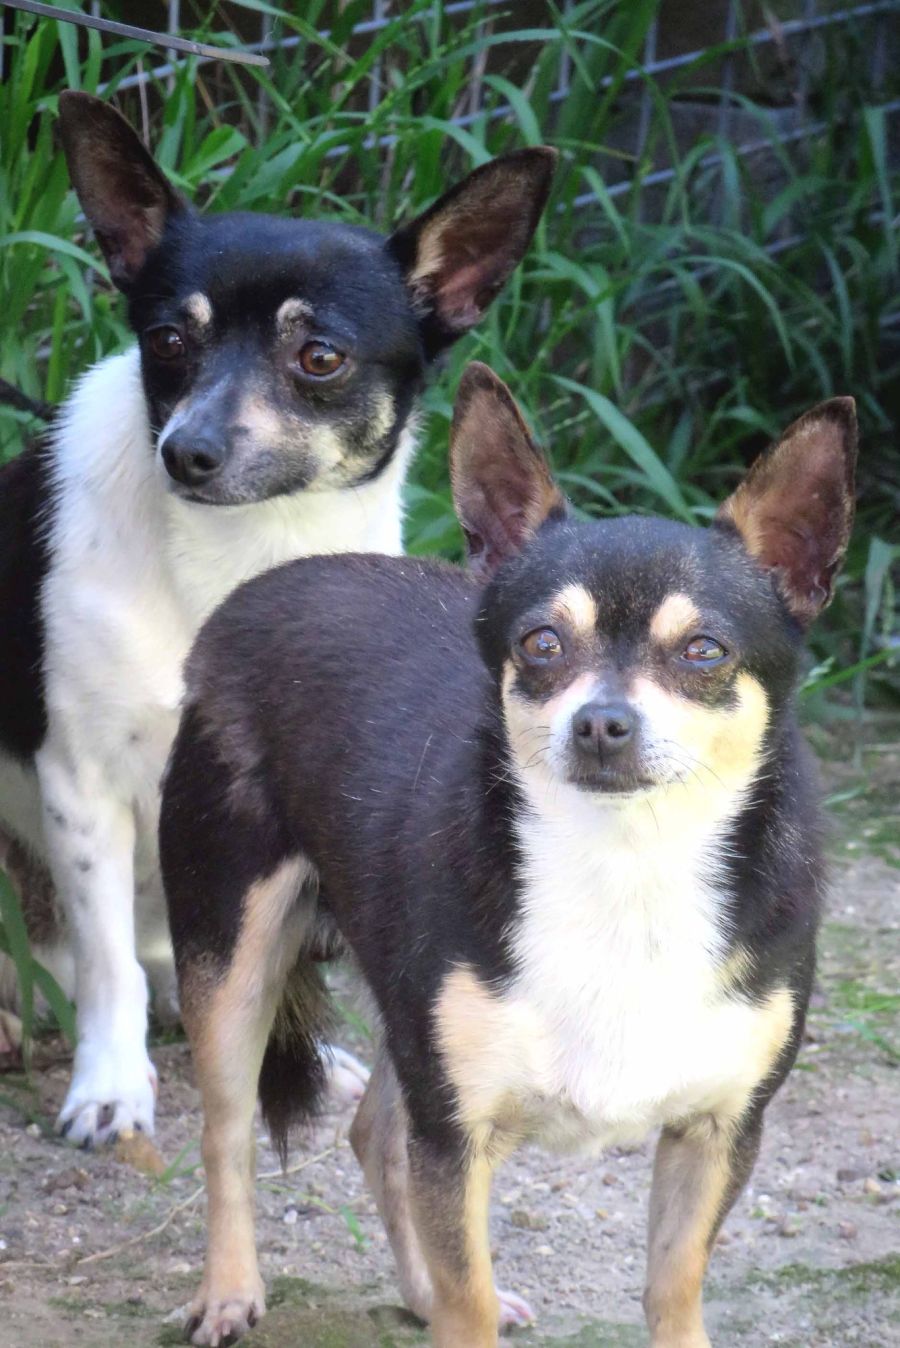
[[560, 812], [267, 411]]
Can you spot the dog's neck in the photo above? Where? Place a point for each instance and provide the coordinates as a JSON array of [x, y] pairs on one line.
[[109, 480]]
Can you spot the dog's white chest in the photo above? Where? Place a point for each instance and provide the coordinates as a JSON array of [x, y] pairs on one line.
[[620, 952], [620, 1016]]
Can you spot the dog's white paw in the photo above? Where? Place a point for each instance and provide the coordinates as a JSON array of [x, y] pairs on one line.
[[513, 1310], [110, 1095], [10, 1036], [347, 1077], [215, 1320]]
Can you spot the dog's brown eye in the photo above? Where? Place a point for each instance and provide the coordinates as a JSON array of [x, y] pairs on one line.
[[703, 650], [166, 343], [319, 359], [542, 645]]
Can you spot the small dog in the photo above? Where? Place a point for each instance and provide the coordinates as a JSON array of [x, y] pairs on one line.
[[562, 816], [266, 412]]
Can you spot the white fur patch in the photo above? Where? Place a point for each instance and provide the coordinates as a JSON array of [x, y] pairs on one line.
[[133, 573], [620, 1018]]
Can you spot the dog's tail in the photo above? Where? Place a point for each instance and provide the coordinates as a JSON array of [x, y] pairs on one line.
[[14, 397], [293, 1076]]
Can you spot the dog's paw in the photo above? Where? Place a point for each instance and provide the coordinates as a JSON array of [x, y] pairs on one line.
[[514, 1311], [108, 1098], [10, 1039], [347, 1078], [218, 1320]]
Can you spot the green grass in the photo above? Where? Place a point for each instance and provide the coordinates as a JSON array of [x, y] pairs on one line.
[[653, 339]]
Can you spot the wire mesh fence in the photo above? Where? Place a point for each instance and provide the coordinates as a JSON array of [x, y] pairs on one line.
[[729, 22]]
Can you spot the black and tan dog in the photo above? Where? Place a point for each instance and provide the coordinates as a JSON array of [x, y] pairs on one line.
[[561, 814]]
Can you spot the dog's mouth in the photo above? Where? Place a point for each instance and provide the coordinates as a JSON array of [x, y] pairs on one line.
[[235, 493], [612, 784]]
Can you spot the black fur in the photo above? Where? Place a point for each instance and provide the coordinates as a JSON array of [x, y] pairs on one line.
[[26, 504], [239, 415], [401, 795], [292, 1078]]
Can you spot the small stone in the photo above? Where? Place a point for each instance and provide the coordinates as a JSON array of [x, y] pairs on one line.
[[544, 1251], [610, 1178], [71, 1178], [33, 1130], [723, 1238], [59, 1210], [291, 1217], [77, 1279], [849, 1174], [526, 1220], [872, 1187], [788, 1228], [848, 1230], [181, 1266]]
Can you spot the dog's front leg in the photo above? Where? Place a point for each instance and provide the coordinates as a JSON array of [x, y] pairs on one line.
[[449, 1189], [90, 842], [379, 1136], [698, 1172]]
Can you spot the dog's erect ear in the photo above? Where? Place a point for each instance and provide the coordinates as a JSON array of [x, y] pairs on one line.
[[460, 252], [502, 487], [124, 195], [794, 509]]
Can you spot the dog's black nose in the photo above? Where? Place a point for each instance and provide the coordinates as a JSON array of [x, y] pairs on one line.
[[192, 459], [602, 731]]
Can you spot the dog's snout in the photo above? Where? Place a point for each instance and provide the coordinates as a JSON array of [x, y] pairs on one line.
[[192, 459], [601, 730]]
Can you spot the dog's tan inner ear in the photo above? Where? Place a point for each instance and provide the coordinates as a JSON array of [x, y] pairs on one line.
[[125, 196], [502, 487], [794, 509], [459, 253]]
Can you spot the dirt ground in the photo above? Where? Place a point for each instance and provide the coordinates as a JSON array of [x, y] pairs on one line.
[[95, 1253]]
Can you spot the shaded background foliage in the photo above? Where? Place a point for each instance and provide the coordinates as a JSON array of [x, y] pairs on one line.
[[721, 253]]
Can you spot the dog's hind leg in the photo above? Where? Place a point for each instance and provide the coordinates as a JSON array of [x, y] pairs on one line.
[[241, 904], [229, 1013], [378, 1136]]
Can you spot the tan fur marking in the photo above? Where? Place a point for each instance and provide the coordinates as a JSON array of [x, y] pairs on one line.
[[738, 967], [228, 1018], [676, 616], [528, 726], [466, 1307], [690, 1180], [719, 744], [576, 606], [692, 1174], [429, 254], [290, 315], [199, 311], [486, 1041]]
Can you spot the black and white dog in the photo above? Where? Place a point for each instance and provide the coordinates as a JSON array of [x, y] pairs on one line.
[[266, 411], [564, 819]]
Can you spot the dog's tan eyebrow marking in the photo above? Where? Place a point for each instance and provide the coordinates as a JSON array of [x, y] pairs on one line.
[[199, 310], [675, 615], [290, 313], [576, 605]]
